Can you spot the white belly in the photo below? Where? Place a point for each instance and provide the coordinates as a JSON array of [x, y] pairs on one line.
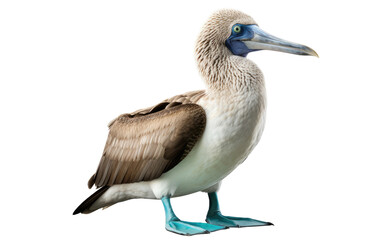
[[234, 127]]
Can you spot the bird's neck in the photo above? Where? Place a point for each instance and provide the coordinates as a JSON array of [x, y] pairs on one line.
[[224, 72]]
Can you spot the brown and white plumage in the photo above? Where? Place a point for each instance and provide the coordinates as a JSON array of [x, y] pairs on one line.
[[144, 145], [191, 142]]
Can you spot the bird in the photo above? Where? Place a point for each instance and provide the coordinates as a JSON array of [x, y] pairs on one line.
[[190, 142]]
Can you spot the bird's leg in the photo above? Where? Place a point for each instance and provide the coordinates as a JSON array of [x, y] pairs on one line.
[[174, 224], [215, 217]]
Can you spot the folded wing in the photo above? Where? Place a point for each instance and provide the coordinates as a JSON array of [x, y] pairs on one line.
[[143, 146]]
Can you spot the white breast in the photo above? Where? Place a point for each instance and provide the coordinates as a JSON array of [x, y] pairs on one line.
[[234, 127]]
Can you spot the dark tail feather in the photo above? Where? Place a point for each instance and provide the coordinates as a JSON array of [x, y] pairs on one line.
[[90, 200]]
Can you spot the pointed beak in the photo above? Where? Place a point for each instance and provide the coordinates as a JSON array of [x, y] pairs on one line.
[[264, 41]]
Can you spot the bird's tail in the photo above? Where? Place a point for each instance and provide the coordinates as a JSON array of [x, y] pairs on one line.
[[85, 205]]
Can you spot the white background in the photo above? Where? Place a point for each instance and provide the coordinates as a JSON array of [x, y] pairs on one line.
[[69, 67]]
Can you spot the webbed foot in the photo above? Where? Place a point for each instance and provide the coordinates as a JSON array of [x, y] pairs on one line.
[[175, 225], [191, 228], [219, 219], [215, 217]]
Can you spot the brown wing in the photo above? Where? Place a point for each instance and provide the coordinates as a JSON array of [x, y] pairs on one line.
[[143, 145], [189, 97]]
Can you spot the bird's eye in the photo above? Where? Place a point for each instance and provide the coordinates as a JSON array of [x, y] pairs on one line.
[[236, 29]]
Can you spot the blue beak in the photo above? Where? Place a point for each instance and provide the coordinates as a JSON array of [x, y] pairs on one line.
[[264, 41]]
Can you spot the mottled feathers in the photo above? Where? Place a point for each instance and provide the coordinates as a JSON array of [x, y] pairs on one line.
[[141, 146]]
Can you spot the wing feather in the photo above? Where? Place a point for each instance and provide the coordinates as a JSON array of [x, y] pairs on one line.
[[144, 145]]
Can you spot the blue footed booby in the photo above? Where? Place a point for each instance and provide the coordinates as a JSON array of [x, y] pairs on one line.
[[191, 142]]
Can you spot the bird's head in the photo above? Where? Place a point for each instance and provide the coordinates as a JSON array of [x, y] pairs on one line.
[[230, 32]]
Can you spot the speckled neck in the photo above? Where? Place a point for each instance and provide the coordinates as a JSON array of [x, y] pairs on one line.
[[223, 71]]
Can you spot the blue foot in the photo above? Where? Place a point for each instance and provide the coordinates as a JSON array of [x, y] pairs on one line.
[[174, 224], [191, 228], [217, 218]]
